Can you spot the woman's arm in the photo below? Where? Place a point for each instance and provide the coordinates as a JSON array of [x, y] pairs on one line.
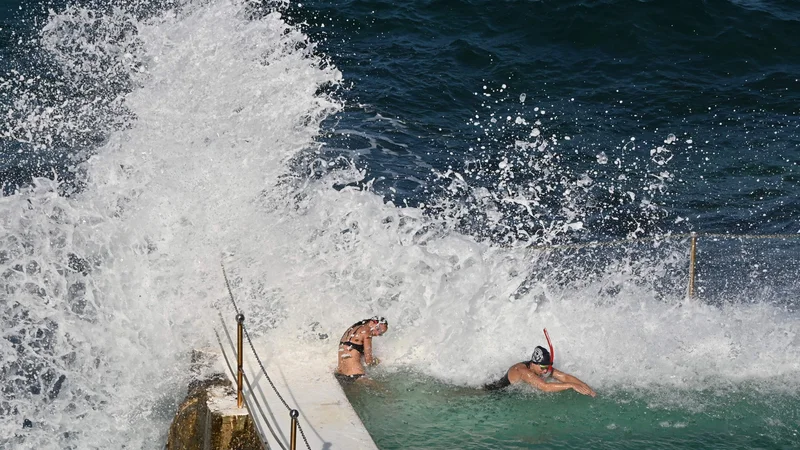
[[368, 358]]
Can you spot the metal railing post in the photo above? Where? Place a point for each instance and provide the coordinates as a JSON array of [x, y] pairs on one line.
[[692, 256], [293, 439], [239, 359]]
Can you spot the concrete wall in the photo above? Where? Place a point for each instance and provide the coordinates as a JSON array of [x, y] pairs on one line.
[[208, 419]]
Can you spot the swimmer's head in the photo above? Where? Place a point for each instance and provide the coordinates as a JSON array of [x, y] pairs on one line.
[[541, 356], [379, 319], [381, 326]]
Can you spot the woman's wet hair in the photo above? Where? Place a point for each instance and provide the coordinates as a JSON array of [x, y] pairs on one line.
[[380, 320]]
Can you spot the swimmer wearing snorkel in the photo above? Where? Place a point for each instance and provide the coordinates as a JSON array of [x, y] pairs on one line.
[[537, 371]]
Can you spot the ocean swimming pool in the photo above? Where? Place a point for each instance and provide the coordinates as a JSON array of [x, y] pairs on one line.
[[409, 411]]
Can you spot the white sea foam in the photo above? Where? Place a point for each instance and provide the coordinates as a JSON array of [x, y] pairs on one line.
[[106, 291]]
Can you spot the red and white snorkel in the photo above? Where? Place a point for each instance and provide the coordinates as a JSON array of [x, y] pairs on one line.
[[552, 353]]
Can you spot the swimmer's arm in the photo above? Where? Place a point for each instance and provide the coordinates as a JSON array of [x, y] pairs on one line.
[[368, 358], [542, 385], [564, 377]]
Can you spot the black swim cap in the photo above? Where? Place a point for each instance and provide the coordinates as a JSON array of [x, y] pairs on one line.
[[541, 356]]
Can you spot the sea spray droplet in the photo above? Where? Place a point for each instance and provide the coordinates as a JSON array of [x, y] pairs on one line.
[[670, 139], [575, 226], [602, 158], [522, 98]]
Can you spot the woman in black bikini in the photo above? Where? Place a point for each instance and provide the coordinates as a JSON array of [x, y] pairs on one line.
[[355, 343]]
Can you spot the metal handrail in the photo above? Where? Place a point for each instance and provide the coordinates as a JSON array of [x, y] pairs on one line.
[[692, 258], [690, 293], [665, 237], [242, 330], [693, 249], [293, 440], [247, 402], [249, 387], [239, 359]]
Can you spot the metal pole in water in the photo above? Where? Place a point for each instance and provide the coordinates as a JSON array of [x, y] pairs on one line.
[[293, 439], [692, 256], [239, 359]]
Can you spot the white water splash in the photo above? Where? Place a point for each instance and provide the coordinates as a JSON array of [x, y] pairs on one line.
[[107, 291]]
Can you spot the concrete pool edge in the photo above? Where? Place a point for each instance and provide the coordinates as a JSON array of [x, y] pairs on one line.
[[306, 384]]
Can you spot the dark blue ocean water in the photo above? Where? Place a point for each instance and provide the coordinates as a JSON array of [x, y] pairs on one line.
[[715, 83], [423, 79], [482, 130], [723, 74]]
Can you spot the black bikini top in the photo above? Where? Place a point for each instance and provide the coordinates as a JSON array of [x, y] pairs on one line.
[[357, 347]]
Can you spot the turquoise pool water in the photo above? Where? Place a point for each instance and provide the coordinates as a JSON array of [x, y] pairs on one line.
[[407, 411]]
